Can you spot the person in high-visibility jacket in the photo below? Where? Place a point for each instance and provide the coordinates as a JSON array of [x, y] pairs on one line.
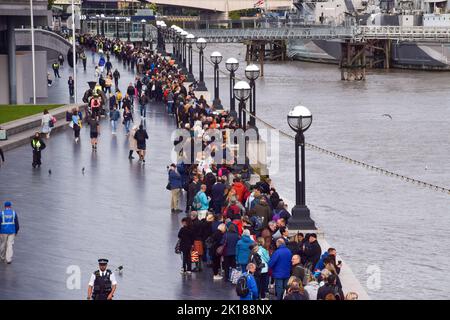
[[37, 145], [9, 227]]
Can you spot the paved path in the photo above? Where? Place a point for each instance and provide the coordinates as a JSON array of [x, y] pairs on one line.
[[118, 209]]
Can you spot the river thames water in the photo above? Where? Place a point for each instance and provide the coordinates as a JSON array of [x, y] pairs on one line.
[[373, 220]]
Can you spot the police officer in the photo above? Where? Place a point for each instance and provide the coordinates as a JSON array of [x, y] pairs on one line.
[[55, 67], [9, 227], [102, 284], [37, 144]]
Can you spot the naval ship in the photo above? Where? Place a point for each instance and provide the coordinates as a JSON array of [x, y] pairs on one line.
[[417, 55]]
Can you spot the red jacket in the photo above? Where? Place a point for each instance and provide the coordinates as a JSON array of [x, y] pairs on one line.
[[241, 190]]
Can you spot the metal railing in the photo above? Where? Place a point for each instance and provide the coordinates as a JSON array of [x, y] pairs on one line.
[[403, 33]]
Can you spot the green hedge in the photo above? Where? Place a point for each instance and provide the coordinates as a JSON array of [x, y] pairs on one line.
[[14, 112]]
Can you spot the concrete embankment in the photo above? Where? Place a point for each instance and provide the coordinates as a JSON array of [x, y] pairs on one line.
[[19, 132]]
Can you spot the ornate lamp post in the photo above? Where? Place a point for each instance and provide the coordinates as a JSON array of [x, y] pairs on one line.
[[128, 29], [241, 92], [300, 119], [252, 73], [143, 31], [103, 24], [232, 65], [190, 39], [216, 58], [183, 35], [98, 23], [117, 27], [201, 45]]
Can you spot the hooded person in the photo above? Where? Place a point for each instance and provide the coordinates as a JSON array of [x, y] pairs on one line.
[[132, 142]]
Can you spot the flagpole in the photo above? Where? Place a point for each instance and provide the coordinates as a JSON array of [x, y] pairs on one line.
[[74, 55], [32, 52]]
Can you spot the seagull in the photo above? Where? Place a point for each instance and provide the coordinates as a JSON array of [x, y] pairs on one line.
[[49, 171], [82, 170], [120, 269], [387, 115]]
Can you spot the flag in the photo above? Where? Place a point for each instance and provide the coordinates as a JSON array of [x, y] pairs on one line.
[[258, 4]]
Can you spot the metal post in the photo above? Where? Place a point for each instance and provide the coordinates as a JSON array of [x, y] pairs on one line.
[[298, 194], [74, 52], [103, 28], [303, 191], [12, 62], [33, 53], [253, 104], [117, 29], [98, 27], [232, 99], [143, 34]]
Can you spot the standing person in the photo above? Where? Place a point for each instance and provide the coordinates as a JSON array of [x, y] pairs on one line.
[[94, 129], [193, 189], [217, 237], [251, 285], [83, 60], [256, 259], [9, 227], [61, 59], [312, 252], [127, 119], [55, 67], [140, 136], [47, 123], [218, 196], [108, 84], [71, 84], [230, 241], [264, 279], [76, 124], [201, 202], [37, 145], [116, 76], [132, 143], [330, 287], [102, 284], [243, 250], [186, 237], [114, 116], [175, 186], [280, 263]]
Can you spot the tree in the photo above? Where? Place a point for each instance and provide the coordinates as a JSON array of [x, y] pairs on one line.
[[50, 4]]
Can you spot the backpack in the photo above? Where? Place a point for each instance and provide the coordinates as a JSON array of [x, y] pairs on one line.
[[119, 96], [209, 242], [196, 204], [257, 222], [242, 287]]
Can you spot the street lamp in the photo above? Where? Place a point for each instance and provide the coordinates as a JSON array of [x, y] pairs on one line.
[[117, 27], [201, 45], [252, 73], [300, 119], [190, 39], [98, 23], [216, 58], [232, 65], [173, 36], [179, 31], [103, 24], [128, 28], [143, 32], [183, 35], [241, 92]]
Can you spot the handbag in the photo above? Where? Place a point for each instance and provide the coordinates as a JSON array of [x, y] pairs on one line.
[[221, 249], [50, 123], [177, 247], [71, 124]]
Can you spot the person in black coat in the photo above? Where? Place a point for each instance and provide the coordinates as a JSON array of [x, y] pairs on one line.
[[140, 136], [193, 189], [330, 288], [37, 144], [218, 196], [217, 241], [186, 237], [296, 292], [312, 252]]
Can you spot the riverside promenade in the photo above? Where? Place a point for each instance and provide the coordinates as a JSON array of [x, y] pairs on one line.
[[117, 209]]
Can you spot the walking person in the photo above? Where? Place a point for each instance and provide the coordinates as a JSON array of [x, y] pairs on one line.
[[132, 142], [102, 284], [143, 100], [2, 157], [186, 238], [114, 115], [83, 60], [130, 92], [116, 76], [47, 123], [175, 186], [76, 124], [55, 67], [94, 130], [71, 84], [108, 66], [229, 257], [61, 59], [127, 119], [9, 227], [37, 145], [141, 136], [119, 98]]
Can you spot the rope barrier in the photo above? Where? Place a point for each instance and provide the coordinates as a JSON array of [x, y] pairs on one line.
[[349, 160]]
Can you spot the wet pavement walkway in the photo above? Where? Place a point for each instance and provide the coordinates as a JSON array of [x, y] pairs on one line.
[[118, 209]]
